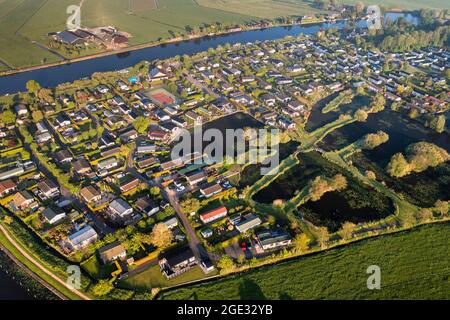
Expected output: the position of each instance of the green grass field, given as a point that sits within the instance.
(23, 21)
(265, 9)
(414, 265)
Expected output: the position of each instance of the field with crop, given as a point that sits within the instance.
(24, 21)
(414, 265)
(276, 8)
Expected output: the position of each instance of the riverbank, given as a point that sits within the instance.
(20, 253)
(156, 44)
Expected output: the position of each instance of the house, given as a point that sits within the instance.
(22, 200)
(48, 188)
(43, 137)
(148, 148)
(128, 136)
(177, 261)
(120, 207)
(267, 99)
(286, 123)
(82, 238)
(90, 194)
(273, 239)
(107, 164)
(248, 222)
(157, 74)
(111, 252)
(195, 177)
(81, 166)
(128, 182)
(213, 215)
(63, 156)
(146, 162)
(11, 172)
(53, 216)
(147, 206)
(7, 187)
(171, 222)
(193, 116)
(210, 189)
(62, 120)
(21, 110)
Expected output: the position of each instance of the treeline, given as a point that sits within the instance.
(419, 157)
(373, 140)
(320, 185)
(416, 39)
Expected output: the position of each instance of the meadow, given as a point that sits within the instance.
(414, 265)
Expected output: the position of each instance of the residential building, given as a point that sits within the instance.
(273, 239)
(82, 238)
(120, 207)
(111, 252)
(213, 215)
(177, 261)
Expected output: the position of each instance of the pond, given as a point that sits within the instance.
(357, 203)
(402, 132)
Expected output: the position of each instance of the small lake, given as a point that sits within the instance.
(402, 132)
(357, 203)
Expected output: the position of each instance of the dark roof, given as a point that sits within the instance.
(179, 255)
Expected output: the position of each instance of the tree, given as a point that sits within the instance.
(346, 231)
(437, 123)
(441, 207)
(407, 219)
(371, 175)
(398, 166)
(225, 264)
(322, 236)
(190, 205)
(8, 117)
(102, 288)
(141, 124)
(8, 220)
(155, 191)
(425, 215)
(301, 242)
(373, 140)
(37, 115)
(33, 86)
(361, 115)
(161, 236)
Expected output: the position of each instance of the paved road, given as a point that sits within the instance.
(42, 268)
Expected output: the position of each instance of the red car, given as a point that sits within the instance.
(243, 246)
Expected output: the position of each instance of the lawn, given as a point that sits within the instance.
(414, 265)
(153, 278)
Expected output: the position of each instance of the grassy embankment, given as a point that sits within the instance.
(414, 265)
